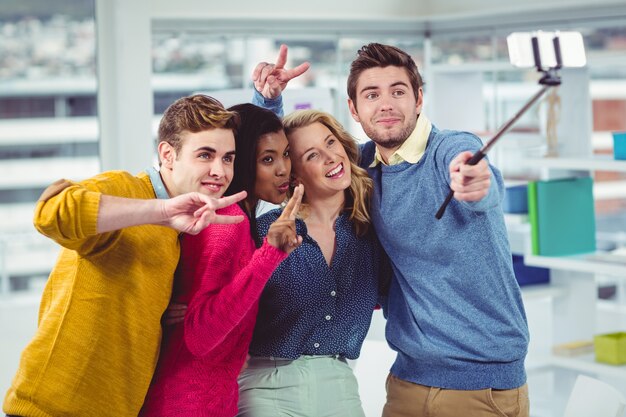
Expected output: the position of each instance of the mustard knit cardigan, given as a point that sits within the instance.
(99, 329)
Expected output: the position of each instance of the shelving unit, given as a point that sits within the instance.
(601, 191)
(593, 163)
(533, 292)
(584, 363)
(566, 309)
(594, 263)
(574, 315)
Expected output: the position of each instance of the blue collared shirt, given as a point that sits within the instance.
(157, 183)
(310, 308)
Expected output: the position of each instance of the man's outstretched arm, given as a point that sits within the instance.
(188, 213)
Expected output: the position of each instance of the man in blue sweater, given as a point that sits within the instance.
(455, 315)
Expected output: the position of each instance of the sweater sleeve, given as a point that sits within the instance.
(215, 310)
(67, 213)
(449, 148)
(275, 105)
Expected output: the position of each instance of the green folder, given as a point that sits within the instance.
(532, 217)
(564, 218)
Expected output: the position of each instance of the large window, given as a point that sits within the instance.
(48, 125)
(48, 102)
(221, 65)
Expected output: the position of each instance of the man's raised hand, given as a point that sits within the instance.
(469, 182)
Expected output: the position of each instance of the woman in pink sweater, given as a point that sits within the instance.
(221, 275)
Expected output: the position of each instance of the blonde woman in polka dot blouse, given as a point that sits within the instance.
(317, 306)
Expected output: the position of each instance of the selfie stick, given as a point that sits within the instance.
(549, 80)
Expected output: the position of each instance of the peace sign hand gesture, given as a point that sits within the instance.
(271, 79)
(282, 233)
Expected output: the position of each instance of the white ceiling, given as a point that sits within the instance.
(360, 9)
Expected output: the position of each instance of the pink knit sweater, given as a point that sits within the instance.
(220, 277)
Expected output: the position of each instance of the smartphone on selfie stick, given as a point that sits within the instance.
(546, 51)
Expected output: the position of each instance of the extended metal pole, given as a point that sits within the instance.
(483, 151)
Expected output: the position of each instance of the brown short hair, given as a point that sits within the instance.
(375, 55)
(194, 114)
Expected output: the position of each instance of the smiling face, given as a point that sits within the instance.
(319, 161)
(273, 167)
(204, 163)
(385, 105)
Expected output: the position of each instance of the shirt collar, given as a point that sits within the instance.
(413, 147)
(157, 183)
(301, 229)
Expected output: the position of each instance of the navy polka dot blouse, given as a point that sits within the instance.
(309, 308)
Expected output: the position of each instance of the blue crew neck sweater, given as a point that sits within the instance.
(455, 312)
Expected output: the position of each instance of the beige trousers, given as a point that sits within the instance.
(406, 399)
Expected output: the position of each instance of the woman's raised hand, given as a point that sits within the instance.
(282, 233)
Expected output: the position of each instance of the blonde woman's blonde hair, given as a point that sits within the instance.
(360, 190)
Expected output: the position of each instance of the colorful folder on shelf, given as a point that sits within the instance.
(562, 217)
(532, 217)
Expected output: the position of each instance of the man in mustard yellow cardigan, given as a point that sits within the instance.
(99, 329)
